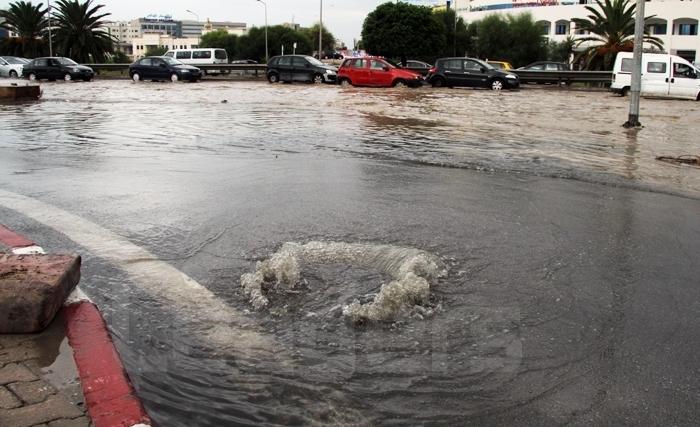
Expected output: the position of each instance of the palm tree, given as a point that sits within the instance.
(29, 23)
(79, 33)
(611, 28)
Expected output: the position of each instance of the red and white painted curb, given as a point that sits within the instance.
(109, 395)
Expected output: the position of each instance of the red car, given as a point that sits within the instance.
(372, 71)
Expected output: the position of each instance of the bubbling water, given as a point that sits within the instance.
(412, 271)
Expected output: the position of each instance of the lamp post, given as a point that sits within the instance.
(636, 86)
(267, 57)
(50, 38)
(195, 15)
(320, 32)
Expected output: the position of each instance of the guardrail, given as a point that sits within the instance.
(225, 67)
(530, 76)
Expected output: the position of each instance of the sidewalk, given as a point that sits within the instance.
(39, 383)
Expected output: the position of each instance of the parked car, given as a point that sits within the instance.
(546, 66)
(372, 71)
(163, 68)
(201, 56)
(11, 66)
(299, 68)
(57, 68)
(662, 75)
(500, 65)
(418, 66)
(470, 72)
(243, 61)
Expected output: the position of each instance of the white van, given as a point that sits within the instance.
(663, 75)
(200, 56)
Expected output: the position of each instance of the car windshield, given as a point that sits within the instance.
(314, 61)
(66, 61)
(171, 61)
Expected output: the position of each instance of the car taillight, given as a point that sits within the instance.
(613, 77)
(432, 70)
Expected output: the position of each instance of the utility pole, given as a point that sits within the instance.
(636, 86)
(50, 38)
(454, 34)
(320, 32)
(267, 56)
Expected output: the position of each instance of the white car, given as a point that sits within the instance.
(11, 66)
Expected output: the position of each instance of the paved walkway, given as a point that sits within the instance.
(39, 383)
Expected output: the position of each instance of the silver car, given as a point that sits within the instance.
(11, 66)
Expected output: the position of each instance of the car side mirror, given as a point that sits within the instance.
(483, 70)
(385, 68)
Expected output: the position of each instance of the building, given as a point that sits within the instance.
(141, 45)
(675, 22)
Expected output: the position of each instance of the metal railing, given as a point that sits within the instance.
(225, 67)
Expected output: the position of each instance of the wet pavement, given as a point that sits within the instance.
(570, 293)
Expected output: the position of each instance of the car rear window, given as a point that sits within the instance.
(453, 64)
(201, 54)
(41, 62)
(285, 60)
(220, 54)
(184, 55)
(627, 65)
(298, 61)
(656, 67)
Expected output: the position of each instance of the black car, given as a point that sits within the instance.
(163, 68)
(55, 68)
(299, 68)
(470, 72)
(545, 66)
(418, 66)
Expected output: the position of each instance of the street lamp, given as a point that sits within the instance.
(195, 15)
(266, 51)
(50, 39)
(320, 32)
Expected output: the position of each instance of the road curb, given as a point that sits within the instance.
(109, 396)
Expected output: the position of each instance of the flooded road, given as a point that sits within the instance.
(562, 300)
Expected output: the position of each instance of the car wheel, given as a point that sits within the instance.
(136, 77)
(273, 78)
(32, 77)
(399, 83)
(438, 82)
(67, 77)
(625, 91)
(497, 84)
(318, 79)
(87, 79)
(13, 74)
(174, 78)
(345, 82)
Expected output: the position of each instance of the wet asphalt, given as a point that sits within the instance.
(570, 298)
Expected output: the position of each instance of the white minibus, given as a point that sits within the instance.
(200, 56)
(667, 76)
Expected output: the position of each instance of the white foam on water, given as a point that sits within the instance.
(412, 271)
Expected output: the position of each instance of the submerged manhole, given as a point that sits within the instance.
(411, 271)
(681, 160)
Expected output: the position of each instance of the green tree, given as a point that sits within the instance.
(328, 40)
(402, 30)
(80, 34)
(611, 28)
(223, 40)
(29, 22)
(252, 45)
(119, 57)
(516, 39)
(460, 45)
(156, 50)
(561, 51)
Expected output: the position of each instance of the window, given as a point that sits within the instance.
(201, 54)
(627, 65)
(184, 55)
(561, 29)
(285, 61)
(453, 64)
(551, 67)
(658, 29)
(147, 62)
(357, 63)
(656, 67)
(376, 65)
(472, 66)
(220, 54)
(536, 67)
(169, 54)
(41, 62)
(299, 62)
(687, 29)
(683, 71)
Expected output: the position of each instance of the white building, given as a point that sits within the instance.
(675, 23)
(141, 45)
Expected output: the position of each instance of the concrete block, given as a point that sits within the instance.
(32, 392)
(19, 90)
(8, 400)
(13, 373)
(53, 408)
(33, 289)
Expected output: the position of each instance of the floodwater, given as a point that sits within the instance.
(560, 256)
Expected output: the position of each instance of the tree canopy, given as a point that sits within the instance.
(79, 33)
(223, 40)
(513, 38)
(252, 45)
(29, 22)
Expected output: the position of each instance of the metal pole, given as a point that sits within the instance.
(454, 36)
(50, 37)
(636, 86)
(195, 14)
(320, 32)
(267, 56)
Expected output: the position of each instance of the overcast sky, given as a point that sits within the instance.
(342, 17)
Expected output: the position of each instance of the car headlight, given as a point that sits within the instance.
(330, 72)
(511, 76)
(184, 71)
(75, 69)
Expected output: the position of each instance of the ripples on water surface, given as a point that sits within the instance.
(528, 317)
(543, 132)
